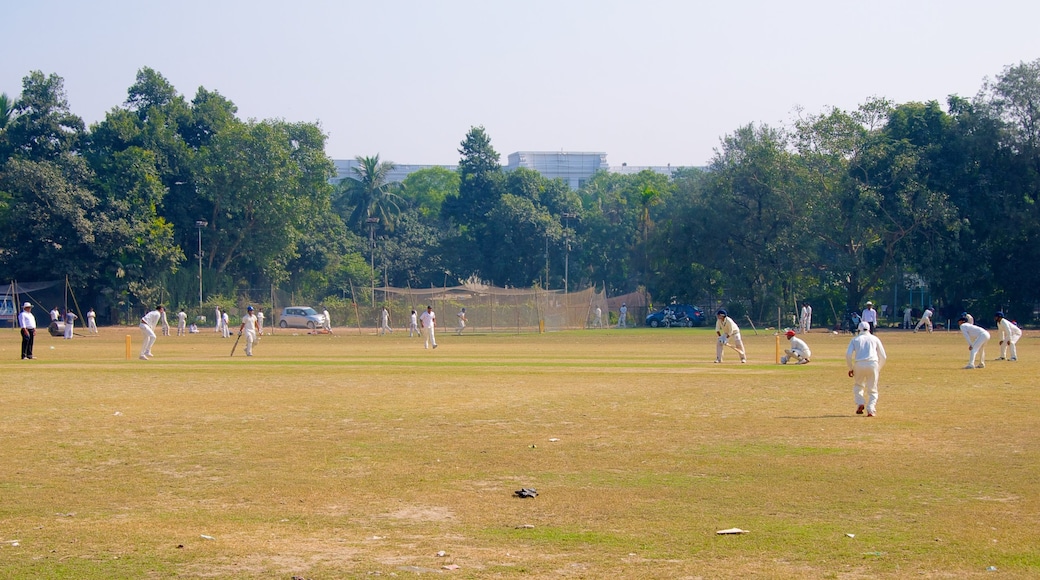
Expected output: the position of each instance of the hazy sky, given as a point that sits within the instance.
(649, 82)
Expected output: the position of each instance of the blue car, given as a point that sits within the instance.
(683, 315)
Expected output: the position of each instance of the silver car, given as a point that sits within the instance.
(301, 317)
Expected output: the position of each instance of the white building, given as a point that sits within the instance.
(573, 167)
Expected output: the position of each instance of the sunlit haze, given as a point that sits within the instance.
(652, 82)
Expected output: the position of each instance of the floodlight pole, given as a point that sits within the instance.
(567, 250)
(199, 224)
(372, 221)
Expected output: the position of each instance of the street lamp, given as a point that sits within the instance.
(199, 224)
(567, 249)
(372, 221)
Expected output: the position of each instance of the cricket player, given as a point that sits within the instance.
(977, 338)
(413, 325)
(384, 321)
(865, 357)
(805, 321)
(225, 327)
(251, 328)
(729, 335)
(92, 321)
(1009, 335)
(926, 319)
(148, 323)
(462, 322)
(798, 350)
(182, 322)
(428, 320)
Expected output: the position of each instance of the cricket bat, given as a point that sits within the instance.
(236, 344)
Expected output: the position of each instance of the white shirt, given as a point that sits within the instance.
(869, 315)
(181, 317)
(249, 320)
(799, 345)
(1008, 330)
(415, 319)
(972, 333)
(865, 348)
(927, 313)
(26, 319)
(152, 318)
(726, 327)
(429, 319)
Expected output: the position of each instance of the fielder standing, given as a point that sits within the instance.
(384, 321)
(182, 322)
(428, 320)
(865, 357)
(977, 338)
(92, 321)
(805, 321)
(225, 322)
(729, 334)
(413, 324)
(1009, 335)
(462, 322)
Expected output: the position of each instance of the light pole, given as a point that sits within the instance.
(372, 221)
(199, 224)
(567, 248)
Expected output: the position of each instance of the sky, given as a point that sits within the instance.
(648, 82)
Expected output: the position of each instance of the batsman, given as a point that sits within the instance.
(251, 328)
(729, 335)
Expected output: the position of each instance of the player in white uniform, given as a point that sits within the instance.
(182, 322)
(413, 325)
(384, 322)
(428, 321)
(865, 357)
(251, 329)
(92, 321)
(805, 322)
(926, 319)
(977, 338)
(798, 350)
(1009, 335)
(462, 322)
(148, 323)
(224, 325)
(729, 334)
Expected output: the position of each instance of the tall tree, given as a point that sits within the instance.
(368, 194)
(42, 127)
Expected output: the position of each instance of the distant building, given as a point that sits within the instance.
(345, 168)
(573, 167)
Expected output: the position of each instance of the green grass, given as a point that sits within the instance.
(353, 455)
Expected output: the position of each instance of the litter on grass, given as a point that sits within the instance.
(731, 531)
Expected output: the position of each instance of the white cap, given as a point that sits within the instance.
(864, 327)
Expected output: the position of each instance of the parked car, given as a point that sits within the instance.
(301, 317)
(676, 315)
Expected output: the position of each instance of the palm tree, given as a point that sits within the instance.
(6, 110)
(368, 194)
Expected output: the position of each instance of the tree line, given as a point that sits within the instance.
(836, 207)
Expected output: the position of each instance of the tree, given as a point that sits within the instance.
(368, 194)
(41, 127)
(427, 188)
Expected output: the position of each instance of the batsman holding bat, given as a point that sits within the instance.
(729, 335)
(251, 328)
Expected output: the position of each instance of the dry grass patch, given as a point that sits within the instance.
(350, 455)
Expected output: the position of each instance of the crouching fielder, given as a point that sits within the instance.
(729, 335)
(865, 357)
(799, 351)
(977, 338)
(1009, 335)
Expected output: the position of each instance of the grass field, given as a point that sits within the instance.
(350, 455)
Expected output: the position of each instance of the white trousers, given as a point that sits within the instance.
(733, 340)
(865, 378)
(69, 326)
(978, 347)
(924, 321)
(429, 337)
(1010, 345)
(250, 341)
(149, 339)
